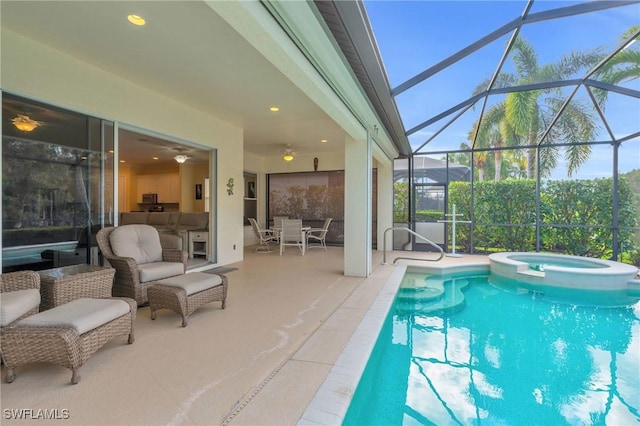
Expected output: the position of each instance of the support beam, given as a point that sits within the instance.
(357, 207)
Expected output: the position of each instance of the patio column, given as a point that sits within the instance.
(385, 201)
(357, 207)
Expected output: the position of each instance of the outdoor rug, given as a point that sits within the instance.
(220, 270)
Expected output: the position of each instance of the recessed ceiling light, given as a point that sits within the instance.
(155, 158)
(274, 109)
(324, 141)
(122, 161)
(136, 20)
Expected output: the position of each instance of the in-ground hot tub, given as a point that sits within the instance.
(564, 271)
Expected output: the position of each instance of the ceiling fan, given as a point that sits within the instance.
(288, 153)
(180, 157)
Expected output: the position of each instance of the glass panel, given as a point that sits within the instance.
(110, 183)
(435, 94)
(579, 121)
(566, 48)
(52, 191)
(454, 137)
(401, 203)
(459, 199)
(621, 113)
(312, 197)
(629, 202)
(430, 202)
(576, 209)
(503, 213)
(397, 24)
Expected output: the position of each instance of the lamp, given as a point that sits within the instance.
(181, 158)
(288, 155)
(25, 124)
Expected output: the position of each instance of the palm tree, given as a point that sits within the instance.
(516, 164)
(623, 66)
(495, 132)
(527, 114)
(479, 160)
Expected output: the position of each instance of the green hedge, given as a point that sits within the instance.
(429, 215)
(505, 216)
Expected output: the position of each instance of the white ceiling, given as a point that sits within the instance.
(186, 52)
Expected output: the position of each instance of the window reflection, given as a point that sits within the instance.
(53, 186)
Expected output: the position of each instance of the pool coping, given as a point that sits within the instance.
(330, 404)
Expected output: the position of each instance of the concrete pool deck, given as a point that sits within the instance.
(260, 361)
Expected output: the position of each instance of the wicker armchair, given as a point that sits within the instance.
(135, 253)
(24, 299)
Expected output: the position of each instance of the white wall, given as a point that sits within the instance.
(36, 71)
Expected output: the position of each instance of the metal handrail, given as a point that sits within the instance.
(400, 228)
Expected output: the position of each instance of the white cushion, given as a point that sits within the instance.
(194, 282)
(159, 270)
(14, 304)
(83, 315)
(141, 242)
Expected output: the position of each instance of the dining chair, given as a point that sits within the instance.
(264, 236)
(316, 237)
(292, 235)
(277, 221)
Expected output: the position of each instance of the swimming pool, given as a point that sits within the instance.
(498, 354)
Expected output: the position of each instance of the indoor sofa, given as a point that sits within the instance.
(172, 226)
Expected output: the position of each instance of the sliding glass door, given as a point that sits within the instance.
(57, 184)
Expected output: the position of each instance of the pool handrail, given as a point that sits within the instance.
(400, 228)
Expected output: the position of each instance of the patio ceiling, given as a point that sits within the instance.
(188, 53)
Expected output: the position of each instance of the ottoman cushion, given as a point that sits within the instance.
(81, 314)
(193, 282)
(15, 304)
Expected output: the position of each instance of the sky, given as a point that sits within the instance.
(414, 35)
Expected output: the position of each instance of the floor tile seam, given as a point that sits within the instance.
(237, 408)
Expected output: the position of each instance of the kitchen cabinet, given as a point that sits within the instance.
(168, 188)
(166, 185)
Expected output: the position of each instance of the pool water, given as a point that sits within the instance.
(480, 353)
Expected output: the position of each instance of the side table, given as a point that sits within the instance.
(198, 244)
(62, 285)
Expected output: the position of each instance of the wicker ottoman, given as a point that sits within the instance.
(186, 293)
(67, 335)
